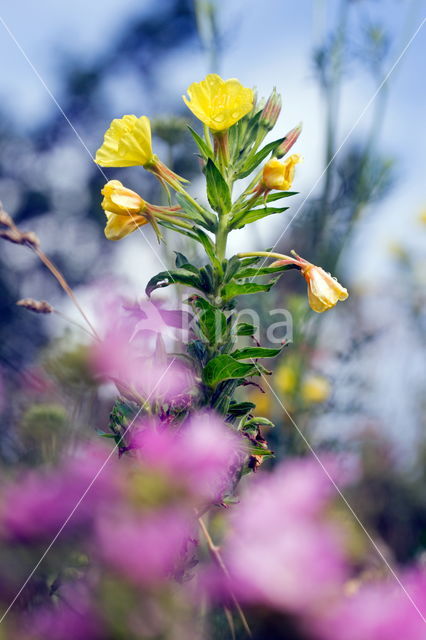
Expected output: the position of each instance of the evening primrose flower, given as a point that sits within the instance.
(126, 211)
(219, 103)
(127, 143)
(279, 175)
(324, 291)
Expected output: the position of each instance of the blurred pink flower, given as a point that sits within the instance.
(282, 552)
(203, 455)
(379, 611)
(39, 503)
(146, 548)
(132, 354)
(71, 618)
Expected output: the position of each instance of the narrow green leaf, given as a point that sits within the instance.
(258, 157)
(205, 218)
(245, 329)
(218, 192)
(201, 144)
(239, 409)
(234, 289)
(252, 272)
(180, 259)
(257, 420)
(254, 352)
(255, 214)
(213, 324)
(280, 195)
(224, 367)
(208, 245)
(177, 276)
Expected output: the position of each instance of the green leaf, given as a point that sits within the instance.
(177, 276)
(218, 192)
(259, 451)
(213, 324)
(234, 289)
(224, 367)
(280, 194)
(252, 272)
(204, 148)
(257, 420)
(245, 329)
(208, 245)
(258, 157)
(254, 352)
(255, 214)
(180, 259)
(239, 409)
(206, 219)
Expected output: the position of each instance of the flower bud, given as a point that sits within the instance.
(279, 175)
(288, 141)
(271, 111)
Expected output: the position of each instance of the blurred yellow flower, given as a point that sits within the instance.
(324, 291)
(422, 217)
(285, 379)
(280, 175)
(219, 103)
(262, 402)
(315, 388)
(127, 143)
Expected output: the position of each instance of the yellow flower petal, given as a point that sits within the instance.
(280, 175)
(315, 389)
(119, 226)
(126, 143)
(324, 291)
(219, 103)
(120, 200)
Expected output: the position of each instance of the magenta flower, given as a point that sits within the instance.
(40, 503)
(145, 548)
(379, 611)
(282, 552)
(202, 456)
(132, 355)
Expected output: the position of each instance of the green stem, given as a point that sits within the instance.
(176, 221)
(264, 254)
(222, 236)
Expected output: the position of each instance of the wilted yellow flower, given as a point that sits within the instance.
(123, 208)
(279, 175)
(120, 200)
(219, 103)
(127, 143)
(323, 290)
(315, 388)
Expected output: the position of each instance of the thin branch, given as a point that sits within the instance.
(214, 550)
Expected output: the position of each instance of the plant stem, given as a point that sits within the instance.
(214, 550)
(222, 236)
(264, 254)
(64, 284)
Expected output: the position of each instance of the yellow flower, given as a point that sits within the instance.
(285, 379)
(315, 389)
(323, 290)
(127, 143)
(219, 103)
(120, 200)
(262, 402)
(279, 175)
(123, 208)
